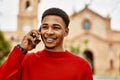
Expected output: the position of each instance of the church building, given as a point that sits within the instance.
(91, 34)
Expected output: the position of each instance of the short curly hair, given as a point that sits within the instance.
(57, 12)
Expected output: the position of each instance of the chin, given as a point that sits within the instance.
(49, 47)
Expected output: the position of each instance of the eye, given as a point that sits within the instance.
(56, 27)
(44, 27)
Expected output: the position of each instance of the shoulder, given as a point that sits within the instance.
(81, 63)
(30, 57)
(80, 60)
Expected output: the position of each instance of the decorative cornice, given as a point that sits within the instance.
(97, 37)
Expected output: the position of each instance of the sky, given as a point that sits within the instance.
(9, 10)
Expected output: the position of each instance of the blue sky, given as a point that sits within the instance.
(9, 10)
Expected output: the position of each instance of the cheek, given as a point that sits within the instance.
(61, 35)
(42, 33)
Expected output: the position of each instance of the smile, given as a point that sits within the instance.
(50, 39)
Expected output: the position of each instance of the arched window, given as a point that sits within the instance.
(86, 25)
(28, 6)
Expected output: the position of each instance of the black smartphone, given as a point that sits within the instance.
(36, 39)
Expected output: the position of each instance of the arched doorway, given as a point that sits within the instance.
(89, 56)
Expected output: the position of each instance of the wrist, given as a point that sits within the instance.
(22, 49)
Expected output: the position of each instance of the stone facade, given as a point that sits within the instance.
(92, 34)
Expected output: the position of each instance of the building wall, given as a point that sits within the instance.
(103, 43)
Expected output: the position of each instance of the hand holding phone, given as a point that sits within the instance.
(30, 40)
(36, 39)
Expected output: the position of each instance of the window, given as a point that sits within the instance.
(26, 28)
(111, 65)
(86, 25)
(28, 6)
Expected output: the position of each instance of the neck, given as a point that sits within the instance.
(54, 54)
(55, 49)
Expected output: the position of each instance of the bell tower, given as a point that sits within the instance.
(27, 16)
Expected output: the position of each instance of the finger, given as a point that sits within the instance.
(30, 39)
(37, 40)
(35, 33)
(34, 40)
(26, 42)
(31, 42)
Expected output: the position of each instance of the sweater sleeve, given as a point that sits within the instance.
(11, 68)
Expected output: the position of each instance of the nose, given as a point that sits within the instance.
(50, 31)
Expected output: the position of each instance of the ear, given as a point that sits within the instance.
(66, 31)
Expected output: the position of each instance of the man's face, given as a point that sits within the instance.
(53, 31)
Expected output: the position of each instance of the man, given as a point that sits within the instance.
(53, 62)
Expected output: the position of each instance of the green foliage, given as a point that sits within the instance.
(4, 46)
(75, 50)
(1, 36)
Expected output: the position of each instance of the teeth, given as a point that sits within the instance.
(49, 39)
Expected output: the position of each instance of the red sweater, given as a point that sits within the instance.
(45, 65)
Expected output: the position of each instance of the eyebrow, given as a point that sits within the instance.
(44, 24)
(52, 24)
(57, 24)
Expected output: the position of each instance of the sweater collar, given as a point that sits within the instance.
(54, 54)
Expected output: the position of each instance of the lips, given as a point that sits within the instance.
(50, 39)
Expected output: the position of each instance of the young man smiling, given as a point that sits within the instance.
(51, 63)
(53, 31)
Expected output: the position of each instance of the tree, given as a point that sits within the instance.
(75, 50)
(4, 47)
